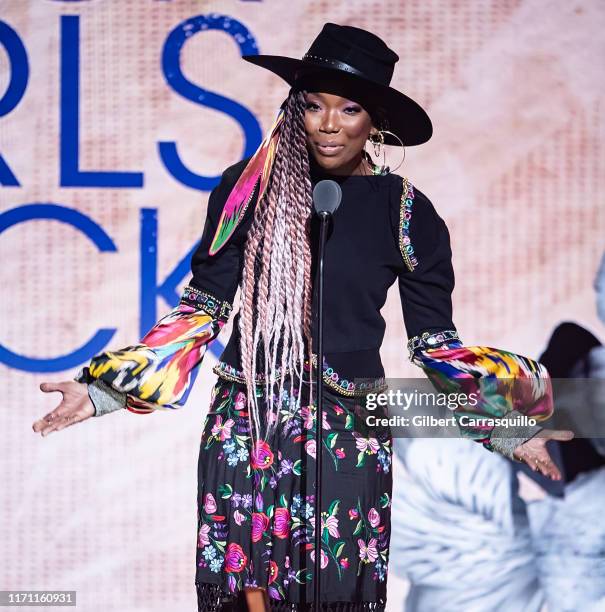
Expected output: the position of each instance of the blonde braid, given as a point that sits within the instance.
(276, 279)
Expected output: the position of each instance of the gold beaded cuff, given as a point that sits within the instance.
(203, 300)
(429, 340)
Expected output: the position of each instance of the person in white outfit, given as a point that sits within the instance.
(472, 532)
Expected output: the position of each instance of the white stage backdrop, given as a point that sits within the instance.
(116, 117)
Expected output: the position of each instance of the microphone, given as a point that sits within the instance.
(327, 195)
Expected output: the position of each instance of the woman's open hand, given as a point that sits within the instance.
(534, 453)
(75, 407)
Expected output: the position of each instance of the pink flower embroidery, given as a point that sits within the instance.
(222, 431)
(344, 562)
(366, 444)
(311, 448)
(235, 559)
(240, 401)
(239, 517)
(262, 455)
(368, 552)
(309, 418)
(260, 522)
(281, 522)
(273, 571)
(332, 524)
(340, 453)
(374, 517)
(209, 503)
(324, 558)
(203, 539)
(353, 513)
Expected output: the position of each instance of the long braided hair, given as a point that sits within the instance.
(276, 286)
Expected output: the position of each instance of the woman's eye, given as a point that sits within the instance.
(350, 110)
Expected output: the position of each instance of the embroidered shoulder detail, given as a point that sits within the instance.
(428, 340)
(330, 377)
(202, 300)
(405, 216)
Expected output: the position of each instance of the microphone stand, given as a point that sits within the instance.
(325, 218)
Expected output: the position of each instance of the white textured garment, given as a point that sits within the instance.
(467, 542)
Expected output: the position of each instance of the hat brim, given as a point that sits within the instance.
(406, 118)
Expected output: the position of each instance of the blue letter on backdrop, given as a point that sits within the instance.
(19, 74)
(71, 175)
(175, 78)
(102, 241)
(149, 276)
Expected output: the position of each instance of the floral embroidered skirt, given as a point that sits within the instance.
(256, 519)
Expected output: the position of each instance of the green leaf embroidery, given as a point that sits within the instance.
(220, 545)
(384, 500)
(333, 509)
(338, 548)
(241, 440)
(225, 491)
(300, 576)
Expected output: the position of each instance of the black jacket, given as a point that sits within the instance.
(364, 257)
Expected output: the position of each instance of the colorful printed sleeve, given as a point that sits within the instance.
(505, 385)
(159, 371)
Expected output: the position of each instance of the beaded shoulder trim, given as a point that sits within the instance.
(405, 216)
(202, 300)
(330, 377)
(428, 340)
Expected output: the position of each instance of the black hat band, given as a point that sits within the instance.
(332, 62)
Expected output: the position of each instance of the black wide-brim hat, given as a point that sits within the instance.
(358, 65)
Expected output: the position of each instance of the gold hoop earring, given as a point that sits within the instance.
(379, 142)
(402, 146)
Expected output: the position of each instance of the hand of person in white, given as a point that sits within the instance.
(75, 407)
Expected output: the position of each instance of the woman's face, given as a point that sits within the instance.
(337, 129)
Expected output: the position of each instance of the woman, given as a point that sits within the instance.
(257, 458)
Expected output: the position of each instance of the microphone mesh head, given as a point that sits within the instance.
(327, 195)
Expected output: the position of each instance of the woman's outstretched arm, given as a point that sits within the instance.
(506, 384)
(158, 372)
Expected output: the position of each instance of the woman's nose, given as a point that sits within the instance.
(330, 122)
